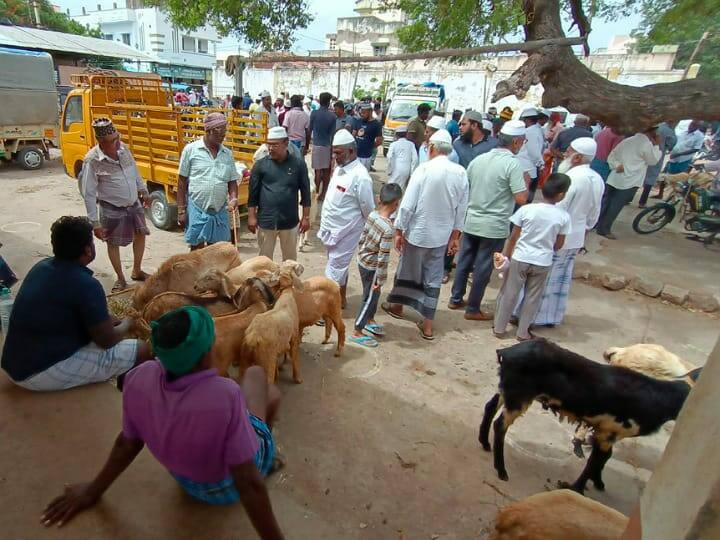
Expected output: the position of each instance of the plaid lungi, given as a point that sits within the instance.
(557, 289)
(224, 491)
(418, 279)
(321, 157)
(121, 224)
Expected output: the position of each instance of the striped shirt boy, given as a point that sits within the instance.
(375, 245)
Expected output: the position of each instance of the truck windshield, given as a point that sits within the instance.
(405, 110)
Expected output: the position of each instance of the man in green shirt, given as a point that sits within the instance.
(496, 185)
(416, 126)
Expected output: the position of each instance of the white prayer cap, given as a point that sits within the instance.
(585, 146)
(441, 136)
(401, 129)
(529, 113)
(275, 133)
(436, 122)
(306, 100)
(343, 137)
(487, 125)
(474, 116)
(514, 128)
(265, 94)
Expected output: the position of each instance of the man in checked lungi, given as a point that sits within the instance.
(110, 180)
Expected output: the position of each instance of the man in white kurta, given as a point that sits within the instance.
(530, 155)
(348, 202)
(582, 202)
(628, 163)
(402, 158)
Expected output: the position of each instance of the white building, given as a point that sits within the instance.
(370, 32)
(182, 56)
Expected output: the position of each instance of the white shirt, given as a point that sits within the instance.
(635, 154)
(540, 225)
(530, 155)
(401, 161)
(582, 202)
(348, 202)
(424, 154)
(687, 141)
(434, 204)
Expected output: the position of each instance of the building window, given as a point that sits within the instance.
(333, 44)
(126, 39)
(108, 37)
(379, 50)
(188, 44)
(202, 46)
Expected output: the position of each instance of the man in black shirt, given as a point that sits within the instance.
(581, 128)
(273, 201)
(61, 334)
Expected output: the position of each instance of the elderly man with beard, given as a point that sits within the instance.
(348, 202)
(434, 124)
(474, 138)
(206, 179)
(582, 201)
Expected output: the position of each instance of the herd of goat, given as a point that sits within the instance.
(261, 308)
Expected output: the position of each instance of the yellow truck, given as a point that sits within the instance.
(155, 130)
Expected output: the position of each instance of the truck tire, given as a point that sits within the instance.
(162, 214)
(30, 158)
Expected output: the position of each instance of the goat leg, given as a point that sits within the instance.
(500, 427)
(491, 409)
(328, 329)
(592, 471)
(295, 360)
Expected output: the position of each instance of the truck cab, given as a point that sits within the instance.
(405, 103)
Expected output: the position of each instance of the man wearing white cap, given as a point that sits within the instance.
(266, 107)
(474, 138)
(582, 201)
(348, 202)
(401, 158)
(530, 155)
(275, 182)
(427, 227)
(434, 124)
(496, 186)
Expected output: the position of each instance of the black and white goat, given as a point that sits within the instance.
(615, 401)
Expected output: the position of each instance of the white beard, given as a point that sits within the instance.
(565, 166)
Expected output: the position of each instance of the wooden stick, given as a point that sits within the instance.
(441, 53)
(234, 222)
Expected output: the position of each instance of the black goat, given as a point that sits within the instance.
(617, 402)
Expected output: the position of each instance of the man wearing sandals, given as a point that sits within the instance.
(110, 180)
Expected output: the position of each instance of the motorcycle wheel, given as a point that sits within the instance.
(653, 219)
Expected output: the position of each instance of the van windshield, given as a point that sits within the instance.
(405, 110)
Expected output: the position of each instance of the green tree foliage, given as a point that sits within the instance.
(683, 22)
(20, 13)
(264, 24)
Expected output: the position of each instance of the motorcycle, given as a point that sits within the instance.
(699, 210)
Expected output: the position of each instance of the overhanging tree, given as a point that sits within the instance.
(20, 12)
(566, 80)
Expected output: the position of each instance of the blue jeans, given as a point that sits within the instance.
(476, 256)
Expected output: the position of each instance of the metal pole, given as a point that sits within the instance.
(694, 54)
(339, 71)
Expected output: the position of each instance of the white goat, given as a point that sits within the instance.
(649, 359)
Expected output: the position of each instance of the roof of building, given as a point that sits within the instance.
(32, 38)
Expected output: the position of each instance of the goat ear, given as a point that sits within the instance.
(297, 284)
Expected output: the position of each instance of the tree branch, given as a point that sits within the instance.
(581, 21)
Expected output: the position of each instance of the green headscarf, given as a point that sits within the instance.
(200, 338)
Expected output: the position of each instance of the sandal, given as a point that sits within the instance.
(375, 329)
(419, 324)
(119, 286)
(365, 341)
(142, 276)
(386, 308)
(521, 339)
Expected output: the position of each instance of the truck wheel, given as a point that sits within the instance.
(162, 213)
(30, 158)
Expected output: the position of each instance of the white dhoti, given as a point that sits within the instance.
(340, 250)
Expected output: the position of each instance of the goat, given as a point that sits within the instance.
(253, 267)
(219, 283)
(318, 299)
(276, 332)
(179, 272)
(646, 358)
(558, 515)
(615, 401)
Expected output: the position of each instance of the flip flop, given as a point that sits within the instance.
(375, 329)
(386, 308)
(119, 286)
(419, 324)
(142, 276)
(365, 341)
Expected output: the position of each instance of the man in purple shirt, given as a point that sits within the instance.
(297, 124)
(212, 435)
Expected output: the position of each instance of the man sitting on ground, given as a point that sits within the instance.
(61, 334)
(212, 435)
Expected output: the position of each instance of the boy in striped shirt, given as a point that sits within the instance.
(374, 249)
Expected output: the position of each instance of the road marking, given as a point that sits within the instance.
(20, 226)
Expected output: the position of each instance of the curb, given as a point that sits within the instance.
(698, 300)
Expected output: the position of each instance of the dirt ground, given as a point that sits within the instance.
(380, 443)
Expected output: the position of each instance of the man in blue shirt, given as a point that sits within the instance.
(453, 126)
(368, 135)
(61, 334)
(322, 127)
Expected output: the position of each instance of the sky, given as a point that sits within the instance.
(325, 14)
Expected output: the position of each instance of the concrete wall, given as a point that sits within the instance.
(682, 498)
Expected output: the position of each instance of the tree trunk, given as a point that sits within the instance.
(568, 82)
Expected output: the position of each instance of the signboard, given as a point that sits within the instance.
(181, 72)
